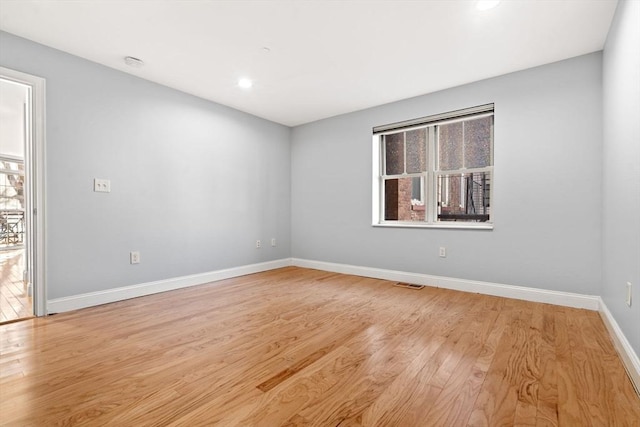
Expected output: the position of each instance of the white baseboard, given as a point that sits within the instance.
(74, 302)
(589, 302)
(629, 357)
(59, 305)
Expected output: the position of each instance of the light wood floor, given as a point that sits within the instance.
(14, 301)
(301, 347)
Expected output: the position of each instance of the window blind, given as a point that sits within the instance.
(471, 111)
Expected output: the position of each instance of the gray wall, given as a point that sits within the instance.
(547, 199)
(193, 183)
(621, 185)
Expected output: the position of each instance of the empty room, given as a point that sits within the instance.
(324, 213)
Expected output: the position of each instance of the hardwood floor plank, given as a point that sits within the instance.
(305, 347)
(620, 394)
(571, 409)
(498, 398)
(381, 368)
(192, 399)
(358, 351)
(455, 403)
(419, 385)
(297, 367)
(547, 407)
(14, 302)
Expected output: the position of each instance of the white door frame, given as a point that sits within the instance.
(35, 193)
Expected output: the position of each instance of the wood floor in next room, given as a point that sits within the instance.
(15, 303)
(304, 347)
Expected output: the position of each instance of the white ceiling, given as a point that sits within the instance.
(326, 57)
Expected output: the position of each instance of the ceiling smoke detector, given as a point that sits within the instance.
(133, 62)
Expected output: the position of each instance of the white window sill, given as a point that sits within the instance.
(458, 226)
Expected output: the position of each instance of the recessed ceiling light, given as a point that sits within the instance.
(245, 83)
(133, 62)
(486, 4)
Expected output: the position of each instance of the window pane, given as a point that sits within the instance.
(394, 153)
(416, 190)
(400, 203)
(464, 197)
(477, 142)
(450, 146)
(11, 185)
(416, 150)
(11, 204)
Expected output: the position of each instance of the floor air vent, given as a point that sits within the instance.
(409, 285)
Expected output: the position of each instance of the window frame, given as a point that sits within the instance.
(429, 187)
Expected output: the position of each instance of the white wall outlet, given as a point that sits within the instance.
(443, 252)
(134, 257)
(101, 185)
(628, 297)
(273, 241)
(258, 244)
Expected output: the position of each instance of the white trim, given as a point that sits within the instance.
(74, 302)
(430, 175)
(443, 224)
(629, 357)
(589, 302)
(376, 183)
(9, 158)
(38, 172)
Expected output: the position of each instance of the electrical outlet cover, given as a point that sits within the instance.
(101, 185)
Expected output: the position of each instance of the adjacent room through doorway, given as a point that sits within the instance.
(16, 301)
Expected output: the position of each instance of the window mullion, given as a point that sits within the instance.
(404, 153)
(383, 154)
(431, 196)
(383, 173)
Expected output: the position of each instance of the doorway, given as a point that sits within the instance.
(22, 293)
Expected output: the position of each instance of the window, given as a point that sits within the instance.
(435, 171)
(11, 202)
